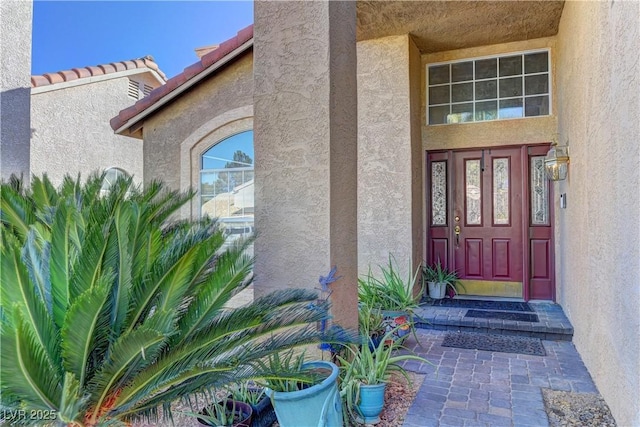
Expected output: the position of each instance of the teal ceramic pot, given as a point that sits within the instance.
(371, 402)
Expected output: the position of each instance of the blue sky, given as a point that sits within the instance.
(69, 34)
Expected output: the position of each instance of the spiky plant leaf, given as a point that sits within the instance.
(73, 401)
(131, 353)
(19, 298)
(82, 327)
(65, 246)
(27, 369)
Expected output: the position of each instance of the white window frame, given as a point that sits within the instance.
(497, 78)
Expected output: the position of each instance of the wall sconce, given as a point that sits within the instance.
(556, 162)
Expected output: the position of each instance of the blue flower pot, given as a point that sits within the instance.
(317, 406)
(371, 402)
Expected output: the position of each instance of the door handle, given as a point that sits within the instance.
(456, 230)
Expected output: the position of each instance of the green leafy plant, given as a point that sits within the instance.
(247, 392)
(439, 274)
(223, 413)
(111, 311)
(285, 372)
(371, 364)
(390, 291)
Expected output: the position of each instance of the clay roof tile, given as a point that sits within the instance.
(227, 47)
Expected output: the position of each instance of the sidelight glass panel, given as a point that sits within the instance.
(439, 193)
(473, 197)
(539, 192)
(500, 191)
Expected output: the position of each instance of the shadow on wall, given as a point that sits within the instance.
(15, 131)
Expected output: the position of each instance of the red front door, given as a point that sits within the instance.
(479, 208)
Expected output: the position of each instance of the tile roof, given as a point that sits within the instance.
(157, 95)
(98, 70)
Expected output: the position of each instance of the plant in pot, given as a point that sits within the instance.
(254, 395)
(111, 312)
(365, 371)
(226, 412)
(393, 295)
(439, 279)
(301, 390)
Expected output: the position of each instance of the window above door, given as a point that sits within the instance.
(501, 87)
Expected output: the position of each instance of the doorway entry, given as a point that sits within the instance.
(490, 218)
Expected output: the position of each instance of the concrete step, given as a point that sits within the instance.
(552, 323)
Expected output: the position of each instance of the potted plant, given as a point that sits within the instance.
(440, 278)
(365, 371)
(226, 413)
(130, 306)
(302, 390)
(254, 395)
(393, 295)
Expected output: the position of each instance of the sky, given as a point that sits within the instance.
(70, 34)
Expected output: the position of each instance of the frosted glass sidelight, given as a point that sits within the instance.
(539, 192)
(439, 193)
(501, 191)
(473, 199)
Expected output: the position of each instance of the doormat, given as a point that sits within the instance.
(520, 317)
(482, 305)
(494, 342)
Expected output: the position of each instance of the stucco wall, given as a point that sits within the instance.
(71, 132)
(389, 153)
(492, 133)
(306, 148)
(165, 131)
(599, 231)
(15, 87)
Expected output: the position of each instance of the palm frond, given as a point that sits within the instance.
(27, 370)
(19, 296)
(73, 402)
(65, 246)
(81, 325)
(130, 354)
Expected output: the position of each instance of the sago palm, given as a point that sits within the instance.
(109, 313)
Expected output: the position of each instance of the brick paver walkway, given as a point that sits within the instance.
(483, 388)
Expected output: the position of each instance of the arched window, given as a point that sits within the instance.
(111, 176)
(226, 183)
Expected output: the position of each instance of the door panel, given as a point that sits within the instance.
(540, 223)
(500, 200)
(488, 203)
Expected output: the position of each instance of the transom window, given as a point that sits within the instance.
(502, 87)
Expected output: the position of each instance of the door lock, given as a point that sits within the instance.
(456, 230)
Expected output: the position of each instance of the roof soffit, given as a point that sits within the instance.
(438, 26)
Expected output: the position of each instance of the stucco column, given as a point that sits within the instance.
(305, 145)
(15, 87)
(390, 155)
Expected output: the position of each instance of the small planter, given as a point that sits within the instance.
(371, 402)
(243, 414)
(263, 413)
(318, 405)
(437, 290)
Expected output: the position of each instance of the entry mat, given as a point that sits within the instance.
(482, 305)
(520, 317)
(494, 342)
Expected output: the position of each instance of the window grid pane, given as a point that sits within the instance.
(503, 87)
(501, 191)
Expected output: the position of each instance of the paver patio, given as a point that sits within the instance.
(483, 388)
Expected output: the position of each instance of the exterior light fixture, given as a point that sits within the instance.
(556, 162)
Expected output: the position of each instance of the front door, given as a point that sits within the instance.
(479, 221)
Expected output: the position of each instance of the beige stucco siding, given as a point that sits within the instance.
(389, 153)
(15, 72)
(492, 133)
(599, 231)
(71, 132)
(164, 132)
